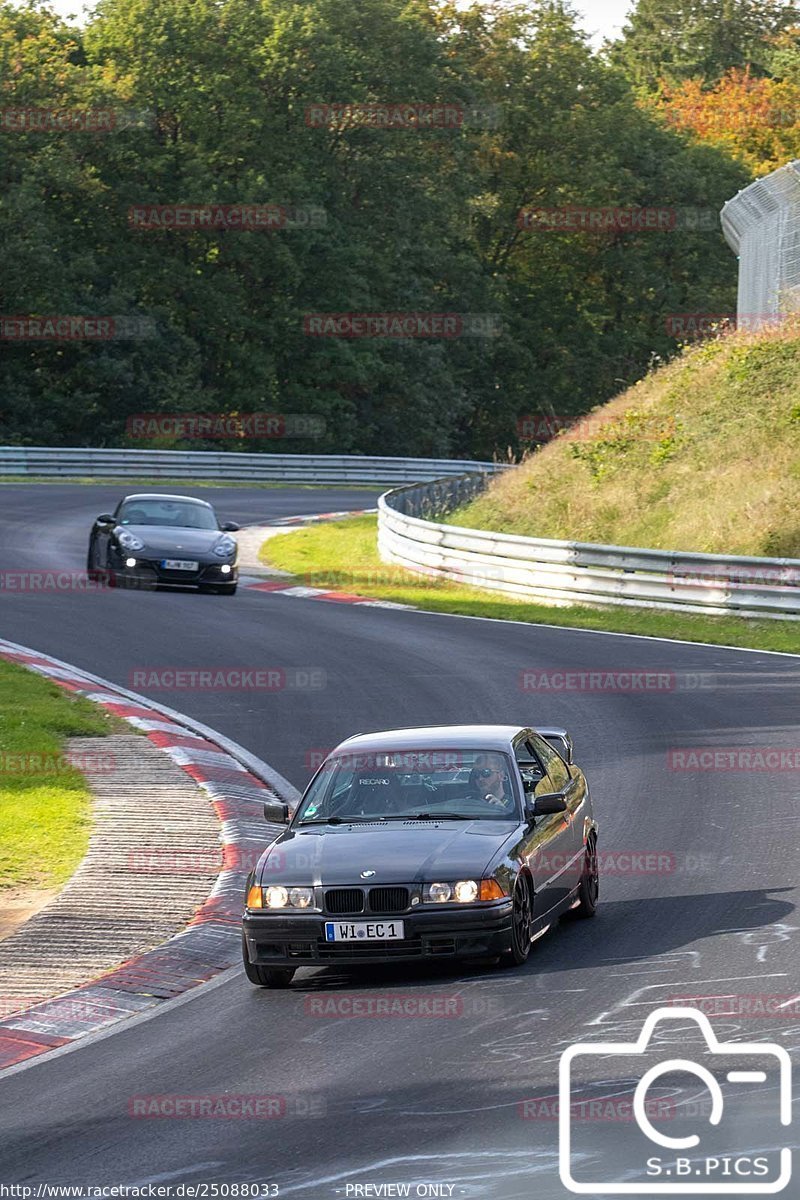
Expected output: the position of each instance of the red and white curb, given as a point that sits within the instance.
(311, 593)
(232, 779)
(313, 518)
(284, 588)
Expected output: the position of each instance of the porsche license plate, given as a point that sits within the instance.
(178, 564)
(363, 931)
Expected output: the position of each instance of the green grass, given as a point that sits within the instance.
(317, 554)
(45, 818)
(703, 454)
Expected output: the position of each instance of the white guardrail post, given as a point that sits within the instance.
(566, 572)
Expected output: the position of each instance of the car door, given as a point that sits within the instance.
(547, 846)
(567, 829)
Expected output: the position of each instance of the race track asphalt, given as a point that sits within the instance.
(372, 1100)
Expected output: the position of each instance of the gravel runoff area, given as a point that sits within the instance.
(155, 907)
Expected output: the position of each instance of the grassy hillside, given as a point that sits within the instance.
(702, 454)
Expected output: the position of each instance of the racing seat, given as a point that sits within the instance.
(377, 794)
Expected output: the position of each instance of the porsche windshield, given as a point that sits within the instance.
(412, 785)
(178, 514)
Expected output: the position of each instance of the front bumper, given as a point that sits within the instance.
(299, 940)
(148, 573)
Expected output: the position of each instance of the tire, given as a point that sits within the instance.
(521, 918)
(589, 889)
(266, 977)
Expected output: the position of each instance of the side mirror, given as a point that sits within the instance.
(105, 519)
(549, 802)
(275, 811)
(229, 527)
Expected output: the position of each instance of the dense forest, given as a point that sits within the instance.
(419, 264)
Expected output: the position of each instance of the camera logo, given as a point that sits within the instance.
(726, 1087)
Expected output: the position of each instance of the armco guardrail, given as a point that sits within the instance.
(564, 572)
(65, 462)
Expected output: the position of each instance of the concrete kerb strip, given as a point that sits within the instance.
(271, 579)
(237, 784)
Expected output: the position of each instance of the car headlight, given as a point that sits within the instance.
(129, 541)
(276, 896)
(225, 547)
(464, 892)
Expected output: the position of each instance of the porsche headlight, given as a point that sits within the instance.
(129, 541)
(276, 896)
(225, 547)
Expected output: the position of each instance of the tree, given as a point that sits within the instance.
(757, 120)
(675, 40)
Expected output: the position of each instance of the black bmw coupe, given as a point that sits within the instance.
(415, 844)
(152, 540)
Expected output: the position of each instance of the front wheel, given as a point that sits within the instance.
(267, 977)
(589, 888)
(521, 917)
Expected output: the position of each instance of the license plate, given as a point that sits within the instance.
(178, 564)
(363, 931)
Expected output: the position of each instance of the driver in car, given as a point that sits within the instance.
(489, 780)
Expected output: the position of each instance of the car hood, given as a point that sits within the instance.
(397, 853)
(169, 542)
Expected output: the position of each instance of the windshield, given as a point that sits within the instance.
(412, 784)
(181, 514)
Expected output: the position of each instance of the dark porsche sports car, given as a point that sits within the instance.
(448, 841)
(151, 540)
